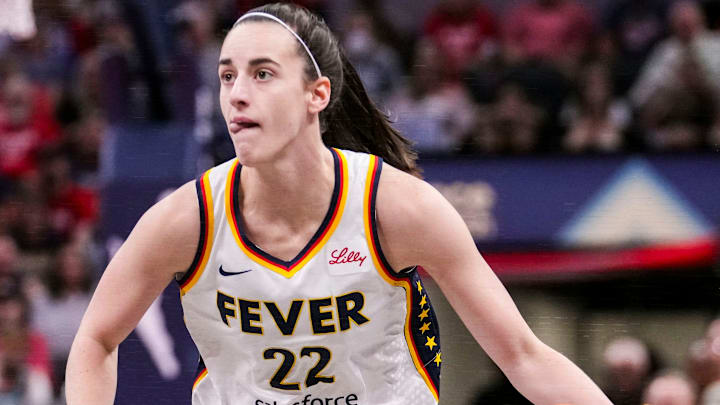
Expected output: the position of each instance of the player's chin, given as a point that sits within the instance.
(249, 155)
(245, 156)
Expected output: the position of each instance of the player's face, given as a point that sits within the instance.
(263, 93)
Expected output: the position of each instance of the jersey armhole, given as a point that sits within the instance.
(205, 210)
(372, 185)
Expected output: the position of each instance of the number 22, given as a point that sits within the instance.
(313, 376)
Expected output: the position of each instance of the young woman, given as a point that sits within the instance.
(298, 278)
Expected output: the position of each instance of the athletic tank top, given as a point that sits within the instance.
(334, 325)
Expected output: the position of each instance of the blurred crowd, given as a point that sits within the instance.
(634, 374)
(551, 76)
(528, 77)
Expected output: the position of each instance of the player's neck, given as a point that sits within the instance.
(297, 185)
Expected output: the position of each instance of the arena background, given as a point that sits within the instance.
(594, 240)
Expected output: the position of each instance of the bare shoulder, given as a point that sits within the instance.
(179, 210)
(403, 199)
(415, 222)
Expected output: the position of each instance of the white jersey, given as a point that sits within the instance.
(333, 326)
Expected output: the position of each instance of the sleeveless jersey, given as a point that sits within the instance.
(333, 326)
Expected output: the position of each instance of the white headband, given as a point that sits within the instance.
(287, 27)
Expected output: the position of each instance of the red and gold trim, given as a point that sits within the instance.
(385, 270)
(205, 202)
(328, 226)
(199, 378)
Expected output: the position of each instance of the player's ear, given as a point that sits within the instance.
(319, 94)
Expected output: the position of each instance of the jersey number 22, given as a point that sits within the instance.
(288, 361)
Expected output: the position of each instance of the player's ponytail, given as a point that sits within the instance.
(351, 120)
(354, 122)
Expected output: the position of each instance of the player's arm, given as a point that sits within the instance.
(417, 226)
(162, 244)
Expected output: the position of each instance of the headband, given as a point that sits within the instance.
(287, 27)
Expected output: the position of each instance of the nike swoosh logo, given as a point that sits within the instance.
(231, 273)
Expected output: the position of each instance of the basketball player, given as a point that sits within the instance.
(298, 277)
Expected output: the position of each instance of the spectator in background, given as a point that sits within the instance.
(59, 308)
(377, 64)
(31, 226)
(194, 67)
(82, 142)
(670, 388)
(47, 57)
(25, 373)
(628, 365)
(110, 76)
(85, 90)
(677, 91)
(97, 35)
(543, 44)
(7, 190)
(508, 125)
(704, 362)
(72, 208)
(711, 395)
(8, 258)
(434, 113)
(699, 365)
(8, 210)
(555, 32)
(596, 121)
(631, 29)
(26, 124)
(49, 206)
(464, 32)
(82, 28)
(703, 367)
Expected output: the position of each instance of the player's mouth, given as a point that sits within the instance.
(241, 124)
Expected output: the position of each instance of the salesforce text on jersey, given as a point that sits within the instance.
(350, 399)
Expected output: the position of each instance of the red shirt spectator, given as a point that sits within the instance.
(19, 343)
(26, 125)
(71, 206)
(463, 31)
(84, 37)
(38, 356)
(557, 31)
(23, 351)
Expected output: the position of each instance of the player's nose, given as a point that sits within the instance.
(240, 94)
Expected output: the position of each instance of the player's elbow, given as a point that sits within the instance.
(86, 342)
(521, 356)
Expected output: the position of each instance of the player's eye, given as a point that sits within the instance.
(227, 77)
(263, 75)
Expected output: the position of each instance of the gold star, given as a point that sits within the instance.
(423, 301)
(419, 286)
(424, 314)
(425, 328)
(430, 342)
(438, 359)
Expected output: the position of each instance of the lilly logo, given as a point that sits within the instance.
(346, 256)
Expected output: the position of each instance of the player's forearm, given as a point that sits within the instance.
(91, 376)
(546, 377)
